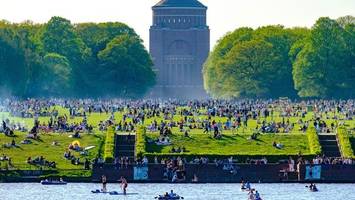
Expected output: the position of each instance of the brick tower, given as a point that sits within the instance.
(179, 45)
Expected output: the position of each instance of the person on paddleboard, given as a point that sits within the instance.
(124, 185)
(104, 183)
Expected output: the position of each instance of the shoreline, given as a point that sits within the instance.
(154, 173)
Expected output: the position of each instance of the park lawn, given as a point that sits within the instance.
(44, 147)
(95, 118)
(200, 143)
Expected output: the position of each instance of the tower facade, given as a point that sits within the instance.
(179, 45)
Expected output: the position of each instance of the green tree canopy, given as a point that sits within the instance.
(126, 67)
(55, 75)
(323, 66)
(253, 63)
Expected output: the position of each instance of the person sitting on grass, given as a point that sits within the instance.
(87, 164)
(254, 136)
(10, 132)
(13, 143)
(76, 134)
(187, 133)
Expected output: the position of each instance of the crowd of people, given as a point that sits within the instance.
(272, 116)
(167, 116)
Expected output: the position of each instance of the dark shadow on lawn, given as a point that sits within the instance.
(153, 148)
(38, 140)
(258, 140)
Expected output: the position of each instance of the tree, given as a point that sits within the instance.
(213, 77)
(249, 63)
(96, 37)
(55, 75)
(55, 59)
(320, 68)
(126, 66)
(12, 61)
(249, 67)
(60, 37)
(281, 80)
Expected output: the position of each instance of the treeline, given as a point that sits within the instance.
(61, 59)
(274, 61)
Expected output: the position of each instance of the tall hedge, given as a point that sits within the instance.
(344, 141)
(313, 141)
(140, 144)
(109, 145)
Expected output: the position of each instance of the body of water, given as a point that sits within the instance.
(82, 191)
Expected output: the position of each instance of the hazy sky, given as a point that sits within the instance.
(223, 15)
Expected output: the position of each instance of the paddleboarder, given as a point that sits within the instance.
(124, 185)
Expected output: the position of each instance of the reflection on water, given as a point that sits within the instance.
(81, 191)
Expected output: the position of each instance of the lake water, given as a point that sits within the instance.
(81, 191)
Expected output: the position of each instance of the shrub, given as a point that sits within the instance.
(109, 145)
(313, 140)
(140, 143)
(344, 143)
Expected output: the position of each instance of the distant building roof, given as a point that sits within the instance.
(179, 3)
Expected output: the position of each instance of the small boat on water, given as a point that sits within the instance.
(312, 188)
(168, 198)
(51, 182)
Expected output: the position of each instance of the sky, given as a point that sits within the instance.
(223, 15)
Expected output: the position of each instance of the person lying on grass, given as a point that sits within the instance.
(277, 145)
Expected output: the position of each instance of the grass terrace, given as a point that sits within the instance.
(44, 147)
(200, 143)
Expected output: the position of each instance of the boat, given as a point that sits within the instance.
(161, 197)
(48, 182)
(312, 188)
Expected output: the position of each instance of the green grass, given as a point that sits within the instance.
(140, 141)
(314, 145)
(109, 145)
(345, 144)
(44, 147)
(233, 143)
(200, 143)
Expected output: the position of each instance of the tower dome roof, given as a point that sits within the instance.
(179, 3)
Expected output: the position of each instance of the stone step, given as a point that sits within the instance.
(327, 137)
(125, 147)
(330, 148)
(121, 154)
(328, 142)
(332, 153)
(125, 142)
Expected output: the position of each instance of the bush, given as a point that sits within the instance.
(344, 143)
(109, 145)
(313, 140)
(140, 144)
